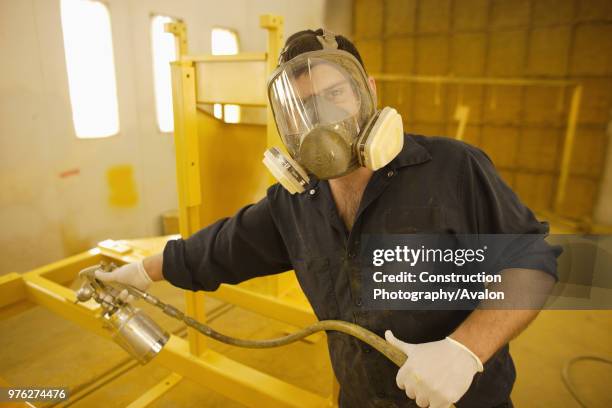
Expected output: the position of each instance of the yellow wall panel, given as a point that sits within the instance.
(589, 152)
(428, 103)
(232, 174)
(434, 16)
(501, 144)
(527, 39)
(548, 51)
(547, 12)
(367, 18)
(401, 19)
(539, 149)
(507, 53)
(592, 50)
(544, 105)
(509, 13)
(580, 197)
(470, 15)
(502, 104)
(399, 55)
(432, 55)
(468, 54)
(371, 52)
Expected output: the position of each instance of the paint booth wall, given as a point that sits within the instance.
(59, 195)
(521, 128)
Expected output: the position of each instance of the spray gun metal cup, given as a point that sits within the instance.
(131, 328)
(136, 333)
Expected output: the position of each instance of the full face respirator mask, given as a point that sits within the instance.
(326, 116)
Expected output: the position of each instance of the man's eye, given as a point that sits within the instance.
(335, 93)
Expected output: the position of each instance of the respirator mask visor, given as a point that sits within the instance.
(321, 102)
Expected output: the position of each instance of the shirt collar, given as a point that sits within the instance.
(412, 154)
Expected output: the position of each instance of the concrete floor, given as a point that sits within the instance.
(39, 348)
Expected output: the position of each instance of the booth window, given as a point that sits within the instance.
(164, 52)
(88, 47)
(225, 42)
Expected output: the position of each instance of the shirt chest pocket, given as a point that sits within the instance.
(410, 220)
(316, 280)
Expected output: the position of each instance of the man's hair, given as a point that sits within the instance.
(306, 40)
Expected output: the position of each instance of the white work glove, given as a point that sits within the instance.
(132, 274)
(436, 374)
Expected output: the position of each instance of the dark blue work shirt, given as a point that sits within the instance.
(435, 185)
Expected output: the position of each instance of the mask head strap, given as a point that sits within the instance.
(328, 40)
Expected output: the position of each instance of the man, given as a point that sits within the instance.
(353, 174)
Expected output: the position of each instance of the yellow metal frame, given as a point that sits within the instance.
(279, 296)
(572, 118)
(46, 286)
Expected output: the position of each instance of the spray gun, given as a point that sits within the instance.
(131, 328)
(142, 338)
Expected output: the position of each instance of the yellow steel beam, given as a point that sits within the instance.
(274, 25)
(65, 270)
(155, 392)
(229, 102)
(186, 146)
(243, 56)
(471, 80)
(13, 299)
(462, 114)
(294, 313)
(234, 380)
(188, 177)
(568, 148)
(179, 30)
(12, 289)
(62, 301)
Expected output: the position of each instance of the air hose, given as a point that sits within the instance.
(143, 338)
(565, 374)
(365, 335)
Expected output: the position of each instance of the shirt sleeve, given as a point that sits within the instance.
(495, 209)
(230, 250)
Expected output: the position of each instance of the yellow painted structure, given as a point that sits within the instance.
(47, 287)
(219, 167)
(462, 114)
(219, 170)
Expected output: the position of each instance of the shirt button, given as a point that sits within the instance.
(390, 174)
(358, 302)
(313, 193)
(351, 254)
